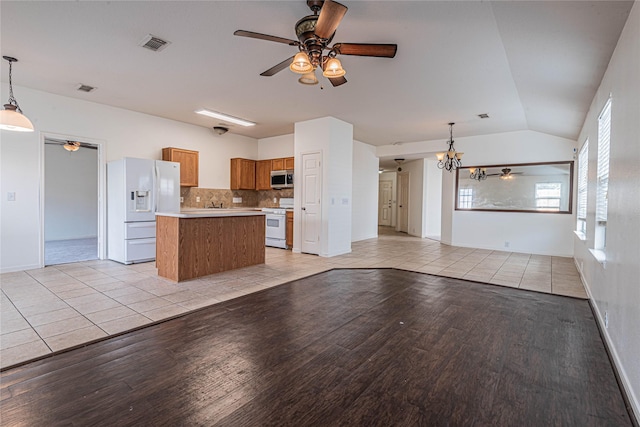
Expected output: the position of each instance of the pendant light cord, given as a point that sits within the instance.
(12, 99)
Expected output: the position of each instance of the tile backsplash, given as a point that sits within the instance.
(250, 198)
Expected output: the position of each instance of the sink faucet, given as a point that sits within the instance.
(213, 205)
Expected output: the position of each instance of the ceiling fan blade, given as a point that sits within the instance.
(330, 16)
(367, 49)
(277, 68)
(337, 81)
(267, 37)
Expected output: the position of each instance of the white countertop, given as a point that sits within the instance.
(212, 213)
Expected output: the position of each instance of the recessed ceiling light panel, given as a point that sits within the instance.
(225, 117)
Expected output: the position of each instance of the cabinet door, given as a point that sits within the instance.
(263, 175)
(189, 163)
(243, 174)
(277, 164)
(288, 163)
(289, 238)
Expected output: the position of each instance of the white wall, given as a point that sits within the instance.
(124, 133)
(334, 138)
(433, 200)
(71, 193)
(393, 177)
(364, 213)
(276, 147)
(615, 286)
(545, 234)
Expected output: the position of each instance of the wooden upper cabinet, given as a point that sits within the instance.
(288, 163)
(277, 164)
(282, 164)
(189, 163)
(243, 174)
(263, 175)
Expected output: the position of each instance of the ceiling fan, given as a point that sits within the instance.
(505, 174)
(315, 33)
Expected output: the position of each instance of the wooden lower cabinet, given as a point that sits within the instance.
(289, 229)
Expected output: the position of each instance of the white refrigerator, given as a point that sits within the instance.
(136, 190)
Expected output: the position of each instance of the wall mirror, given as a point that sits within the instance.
(527, 187)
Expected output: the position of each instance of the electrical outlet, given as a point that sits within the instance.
(11, 196)
(197, 199)
(237, 200)
(181, 199)
(506, 244)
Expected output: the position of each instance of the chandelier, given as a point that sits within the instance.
(479, 174)
(453, 158)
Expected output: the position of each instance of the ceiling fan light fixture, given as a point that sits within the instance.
(11, 118)
(301, 64)
(71, 146)
(308, 79)
(333, 68)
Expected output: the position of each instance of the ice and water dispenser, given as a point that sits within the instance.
(141, 200)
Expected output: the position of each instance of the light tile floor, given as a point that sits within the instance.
(53, 308)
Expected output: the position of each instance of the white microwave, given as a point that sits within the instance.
(281, 179)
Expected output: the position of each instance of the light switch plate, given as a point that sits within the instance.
(11, 196)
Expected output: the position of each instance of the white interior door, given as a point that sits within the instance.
(385, 193)
(403, 202)
(311, 219)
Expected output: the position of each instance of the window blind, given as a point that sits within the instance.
(583, 180)
(604, 134)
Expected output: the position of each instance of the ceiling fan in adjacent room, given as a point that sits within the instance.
(505, 174)
(315, 33)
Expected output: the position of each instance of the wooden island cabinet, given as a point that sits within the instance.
(208, 241)
(189, 163)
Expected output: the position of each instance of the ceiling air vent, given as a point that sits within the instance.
(483, 116)
(154, 43)
(85, 88)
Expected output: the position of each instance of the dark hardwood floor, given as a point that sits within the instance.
(346, 347)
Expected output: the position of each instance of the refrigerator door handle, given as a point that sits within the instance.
(156, 178)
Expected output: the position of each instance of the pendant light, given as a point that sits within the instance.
(11, 118)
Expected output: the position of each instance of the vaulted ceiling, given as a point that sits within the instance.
(527, 64)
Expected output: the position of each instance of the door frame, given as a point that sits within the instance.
(102, 185)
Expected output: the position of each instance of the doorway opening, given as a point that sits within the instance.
(71, 201)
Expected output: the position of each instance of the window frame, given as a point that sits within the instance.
(582, 189)
(602, 176)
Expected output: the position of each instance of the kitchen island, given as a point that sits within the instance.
(196, 243)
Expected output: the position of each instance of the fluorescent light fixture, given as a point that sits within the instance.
(225, 117)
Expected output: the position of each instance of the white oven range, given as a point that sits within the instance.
(276, 224)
